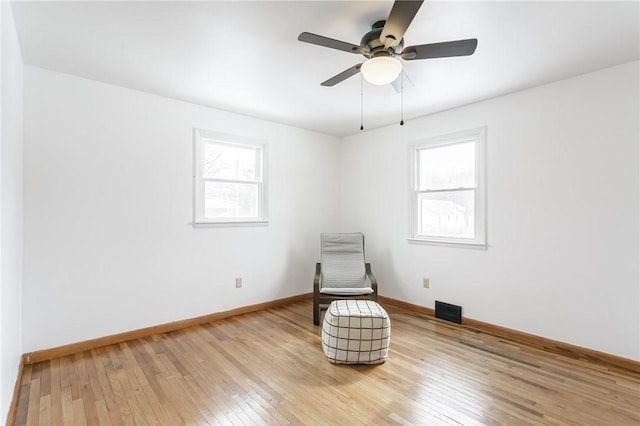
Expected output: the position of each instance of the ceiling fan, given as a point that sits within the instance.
(384, 43)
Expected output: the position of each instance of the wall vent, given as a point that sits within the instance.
(449, 312)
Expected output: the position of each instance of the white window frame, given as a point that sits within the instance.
(480, 220)
(206, 136)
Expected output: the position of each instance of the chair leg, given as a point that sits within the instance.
(316, 310)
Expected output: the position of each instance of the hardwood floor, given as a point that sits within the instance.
(268, 368)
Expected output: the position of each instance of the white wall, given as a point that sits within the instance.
(109, 245)
(10, 207)
(563, 216)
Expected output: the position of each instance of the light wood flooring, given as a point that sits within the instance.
(268, 368)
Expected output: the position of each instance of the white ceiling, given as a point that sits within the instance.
(243, 56)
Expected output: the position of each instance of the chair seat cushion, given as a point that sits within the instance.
(346, 291)
(356, 332)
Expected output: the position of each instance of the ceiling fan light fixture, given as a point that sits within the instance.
(381, 70)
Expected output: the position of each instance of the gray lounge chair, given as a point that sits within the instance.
(342, 272)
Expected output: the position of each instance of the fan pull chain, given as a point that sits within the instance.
(361, 102)
(402, 98)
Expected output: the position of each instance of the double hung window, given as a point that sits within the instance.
(229, 181)
(448, 189)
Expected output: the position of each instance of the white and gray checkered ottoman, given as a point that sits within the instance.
(356, 332)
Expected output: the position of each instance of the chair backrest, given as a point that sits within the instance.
(342, 258)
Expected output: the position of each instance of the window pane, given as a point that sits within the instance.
(232, 200)
(229, 162)
(447, 167)
(447, 214)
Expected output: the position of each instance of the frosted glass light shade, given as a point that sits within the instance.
(381, 70)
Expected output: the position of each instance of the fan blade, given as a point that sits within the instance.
(400, 17)
(440, 50)
(329, 42)
(403, 83)
(342, 76)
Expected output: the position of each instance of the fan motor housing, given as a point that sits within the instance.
(371, 41)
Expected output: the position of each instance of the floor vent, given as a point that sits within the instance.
(449, 312)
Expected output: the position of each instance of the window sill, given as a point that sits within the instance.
(449, 243)
(231, 223)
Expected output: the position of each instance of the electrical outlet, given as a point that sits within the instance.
(425, 282)
(238, 282)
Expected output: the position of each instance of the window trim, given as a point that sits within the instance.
(480, 202)
(199, 137)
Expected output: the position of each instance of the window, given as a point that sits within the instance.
(448, 189)
(229, 180)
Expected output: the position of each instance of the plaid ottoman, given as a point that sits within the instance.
(356, 332)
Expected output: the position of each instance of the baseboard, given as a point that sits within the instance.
(46, 354)
(13, 407)
(549, 345)
(408, 306)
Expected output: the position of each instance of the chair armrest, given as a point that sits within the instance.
(372, 278)
(316, 280)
